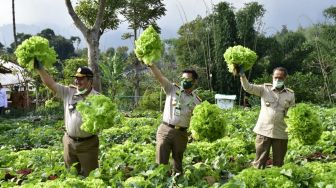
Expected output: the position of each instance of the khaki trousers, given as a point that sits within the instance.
(171, 140)
(84, 153)
(263, 145)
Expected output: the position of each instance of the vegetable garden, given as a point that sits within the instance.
(31, 155)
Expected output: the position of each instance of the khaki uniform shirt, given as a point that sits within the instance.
(274, 107)
(171, 114)
(72, 118)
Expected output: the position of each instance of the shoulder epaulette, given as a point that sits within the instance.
(175, 84)
(290, 90)
(72, 86)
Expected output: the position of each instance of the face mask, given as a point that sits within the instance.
(186, 84)
(278, 83)
(81, 91)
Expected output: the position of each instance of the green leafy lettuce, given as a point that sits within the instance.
(239, 56)
(208, 122)
(98, 112)
(38, 47)
(148, 48)
(304, 124)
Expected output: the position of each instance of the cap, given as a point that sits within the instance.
(83, 72)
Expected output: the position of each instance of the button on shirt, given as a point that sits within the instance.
(72, 118)
(3, 98)
(274, 107)
(187, 104)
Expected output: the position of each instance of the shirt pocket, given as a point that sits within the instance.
(285, 103)
(269, 101)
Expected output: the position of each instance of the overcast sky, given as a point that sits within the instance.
(53, 13)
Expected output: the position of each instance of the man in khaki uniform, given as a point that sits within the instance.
(79, 146)
(171, 136)
(271, 127)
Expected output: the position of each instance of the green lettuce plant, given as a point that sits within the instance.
(98, 112)
(148, 47)
(304, 124)
(239, 56)
(35, 47)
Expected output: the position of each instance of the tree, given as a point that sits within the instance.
(63, 47)
(330, 13)
(92, 18)
(224, 36)
(139, 15)
(14, 24)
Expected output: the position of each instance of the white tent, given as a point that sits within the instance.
(15, 78)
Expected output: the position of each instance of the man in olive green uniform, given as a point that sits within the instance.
(271, 127)
(171, 136)
(79, 146)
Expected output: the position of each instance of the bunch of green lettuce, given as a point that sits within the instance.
(38, 47)
(98, 112)
(148, 48)
(208, 122)
(304, 124)
(237, 56)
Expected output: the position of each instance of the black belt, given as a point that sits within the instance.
(175, 127)
(80, 139)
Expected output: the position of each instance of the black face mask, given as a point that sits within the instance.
(186, 84)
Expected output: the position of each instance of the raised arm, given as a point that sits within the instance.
(159, 76)
(250, 88)
(45, 77)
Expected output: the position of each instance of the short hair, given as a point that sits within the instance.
(283, 69)
(192, 72)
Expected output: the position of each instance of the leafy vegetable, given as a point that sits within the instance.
(38, 47)
(239, 56)
(207, 122)
(149, 46)
(98, 112)
(304, 124)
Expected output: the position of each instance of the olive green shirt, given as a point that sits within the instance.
(274, 107)
(72, 118)
(179, 105)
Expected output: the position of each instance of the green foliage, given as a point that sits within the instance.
(239, 56)
(98, 112)
(304, 124)
(148, 48)
(87, 11)
(151, 100)
(208, 122)
(206, 95)
(70, 68)
(38, 47)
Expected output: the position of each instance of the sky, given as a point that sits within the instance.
(40, 14)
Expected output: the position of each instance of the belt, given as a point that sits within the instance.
(175, 126)
(80, 139)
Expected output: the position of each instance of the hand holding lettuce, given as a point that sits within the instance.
(35, 47)
(239, 57)
(148, 47)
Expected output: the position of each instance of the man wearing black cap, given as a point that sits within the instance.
(79, 146)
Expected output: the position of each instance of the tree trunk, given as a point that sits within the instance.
(14, 24)
(92, 37)
(93, 60)
(137, 75)
(137, 82)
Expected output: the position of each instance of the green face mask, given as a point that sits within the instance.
(186, 84)
(81, 91)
